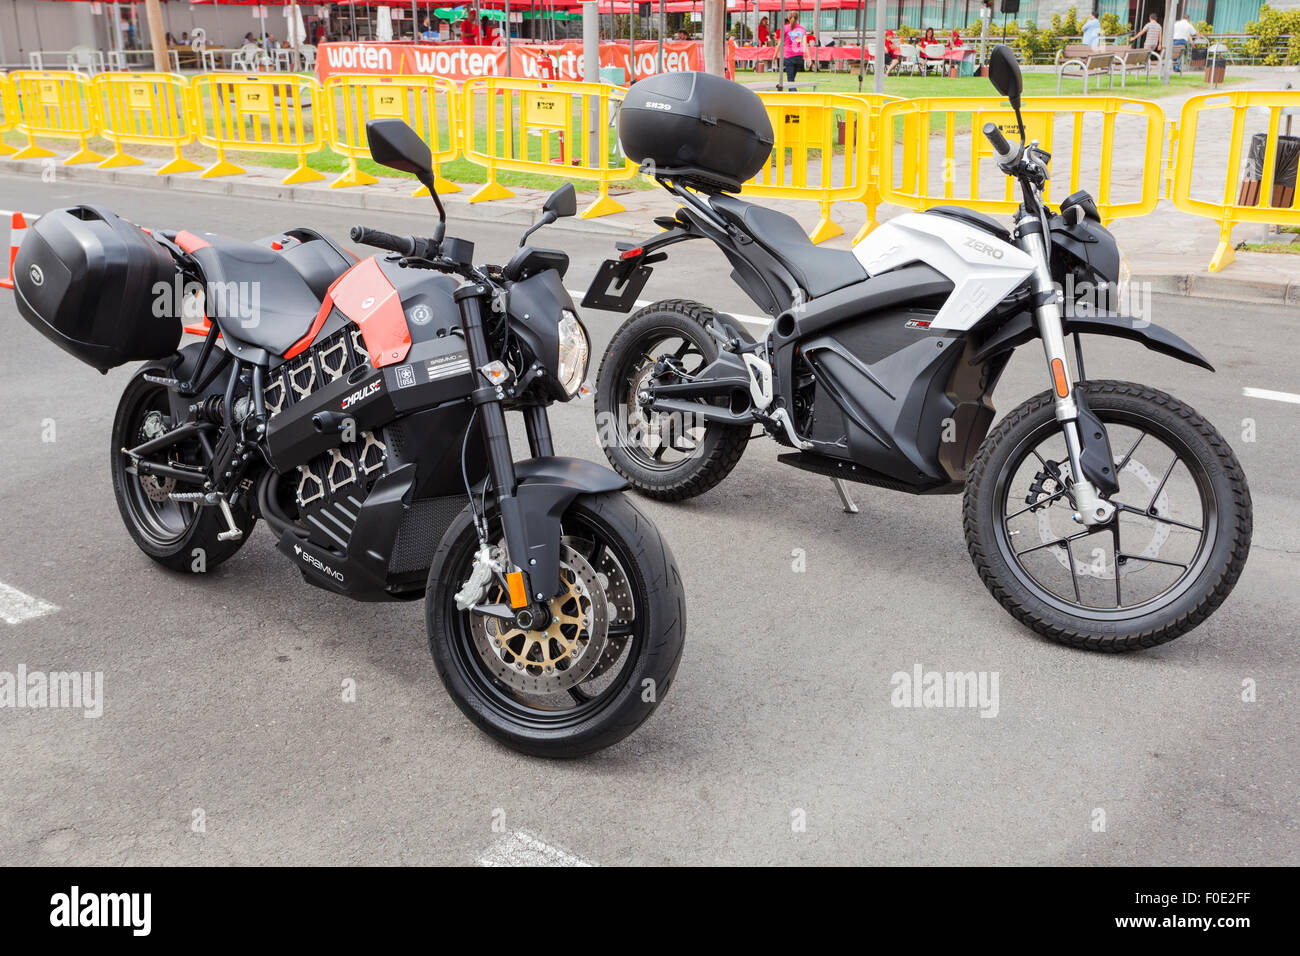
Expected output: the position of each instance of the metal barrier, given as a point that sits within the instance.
(824, 150)
(260, 114)
(556, 128)
(1272, 203)
(911, 187)
(427, 103)
(8, 113)
(57, 104)
(149, 109)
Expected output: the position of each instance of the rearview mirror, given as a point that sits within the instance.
(1004, 74)
(395, 145)
(563, 202)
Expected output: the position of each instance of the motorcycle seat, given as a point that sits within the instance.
(253, 292)
(816, 269)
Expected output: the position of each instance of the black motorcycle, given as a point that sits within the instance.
(358, 409)
(1103, 514)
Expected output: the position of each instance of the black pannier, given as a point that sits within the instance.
(701, 128)
(85, 279)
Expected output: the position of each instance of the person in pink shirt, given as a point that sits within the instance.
(794, 44)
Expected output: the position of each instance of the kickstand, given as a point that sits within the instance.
(845, 499)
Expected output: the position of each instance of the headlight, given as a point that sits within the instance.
(1121, 303)
(571, 369)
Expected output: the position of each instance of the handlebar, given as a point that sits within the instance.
(402, 245)
(1004, 151)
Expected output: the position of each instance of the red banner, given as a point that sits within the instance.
(553, 61)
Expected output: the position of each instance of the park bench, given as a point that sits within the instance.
(1077, 59)
(1135, 61)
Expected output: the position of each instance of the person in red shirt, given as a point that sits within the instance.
(491, 35)
(954, 41)
(469, 32)
(892, 51)
(764, 32)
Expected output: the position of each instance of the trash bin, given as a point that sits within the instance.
(1216, 63)
(1284, 171)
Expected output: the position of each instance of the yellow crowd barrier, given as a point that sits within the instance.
(551, 127)
(57, 104)
(426, 103)
(8, 113)
(262, 114)
(1236, 200)
(907, 179)
(824, 150)
(147, 109)
(828, 147)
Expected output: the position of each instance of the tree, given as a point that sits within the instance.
(157, 36)
(715, 40)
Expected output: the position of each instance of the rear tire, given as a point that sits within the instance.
(179, 536)
(625, 363)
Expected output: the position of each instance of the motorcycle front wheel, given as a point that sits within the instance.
(606, 657)
(1161, 566)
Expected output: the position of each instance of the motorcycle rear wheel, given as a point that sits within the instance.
(181, 536)
(1165, 563)
(666, 457)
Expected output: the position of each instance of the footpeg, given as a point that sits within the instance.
(845, 499)
(174, 383)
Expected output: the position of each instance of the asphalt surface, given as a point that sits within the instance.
(223, 692)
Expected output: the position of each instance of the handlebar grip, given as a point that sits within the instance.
(1001, 147)
(402, 245)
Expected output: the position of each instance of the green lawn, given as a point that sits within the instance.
(1036, 84)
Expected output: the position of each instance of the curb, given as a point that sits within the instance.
(394, 197)
(382, 196)
(1220, 288)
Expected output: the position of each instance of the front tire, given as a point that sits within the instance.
(594, 679)
(1165, 563)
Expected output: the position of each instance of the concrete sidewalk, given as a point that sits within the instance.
(1168, 249)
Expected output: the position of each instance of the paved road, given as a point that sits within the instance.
(222, 693)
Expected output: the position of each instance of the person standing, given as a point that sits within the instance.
(1092, 32)
(469, 31)
(1150, 35)
(1184, 32)
(792, 47)
(764, 32)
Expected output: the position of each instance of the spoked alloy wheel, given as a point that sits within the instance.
(590, 674)
(665, 455)
(1170, 556)
(159, 520)
(180, 535)
(658, 441)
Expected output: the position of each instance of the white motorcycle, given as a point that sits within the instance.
(1103, 514)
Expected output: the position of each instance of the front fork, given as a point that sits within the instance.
(523, 592)
(1090, 508)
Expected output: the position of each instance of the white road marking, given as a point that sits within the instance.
(1271, 396)
(16, 607)
(524, 849)
(761, 321)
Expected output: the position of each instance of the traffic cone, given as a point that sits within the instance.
(17, 226)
